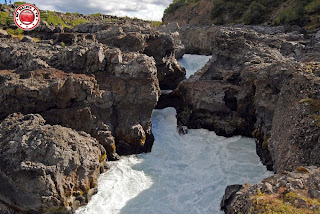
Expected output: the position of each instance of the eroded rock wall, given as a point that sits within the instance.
(111, 96)
(254, 85)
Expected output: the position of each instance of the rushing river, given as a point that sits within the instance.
(184, 174)
(193, 62)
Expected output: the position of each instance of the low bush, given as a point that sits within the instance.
(177, 4)
(4, 19)
(255, 14)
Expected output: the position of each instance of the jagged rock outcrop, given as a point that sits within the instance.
(253, 86)
(111, 97)
(128, 37)
(163, 47)
(199, 39)
(44, 168)
(292, 192)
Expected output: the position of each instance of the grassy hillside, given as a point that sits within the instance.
(305, 13)
(53, 18)
(65, 19)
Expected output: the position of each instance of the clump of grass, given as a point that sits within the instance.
(54, 20)
(79, 21)
(36, 39)
(16, 32)
(96, 15)
(156, 23)
(289, 203)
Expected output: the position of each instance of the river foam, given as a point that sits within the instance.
(193, 62)
(183, 173)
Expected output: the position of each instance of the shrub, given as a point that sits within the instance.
(291, 16)
(313, 7)
(4, 19)
(177, 4)
(255, 14)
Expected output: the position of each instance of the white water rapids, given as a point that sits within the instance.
(184, 174)
(193, 62)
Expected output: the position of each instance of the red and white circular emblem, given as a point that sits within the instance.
(27, 17)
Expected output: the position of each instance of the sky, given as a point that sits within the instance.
(143, 9)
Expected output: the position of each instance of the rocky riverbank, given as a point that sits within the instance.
(75, 97)
(261, 85)
(291, 192)
(262, 82)
(72, 99)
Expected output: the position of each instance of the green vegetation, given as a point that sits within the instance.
(177, 4)
(52, 18)
(313, 7)
(96, 15)
(305, 13)
(255, 13)
(293, 15)
(247, 11)
(70, 14)
(17, 31)
(55, 19)
(18, 3)
(155, 23)
(286, 204)
(4, 19)
(75, 22)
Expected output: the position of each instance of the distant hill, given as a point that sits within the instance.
(305, 13)
(53, 18)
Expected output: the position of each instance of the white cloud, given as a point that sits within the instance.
(143, 9)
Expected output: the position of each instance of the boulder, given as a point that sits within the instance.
(27, 39)
(44, 168)
(3, 33)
